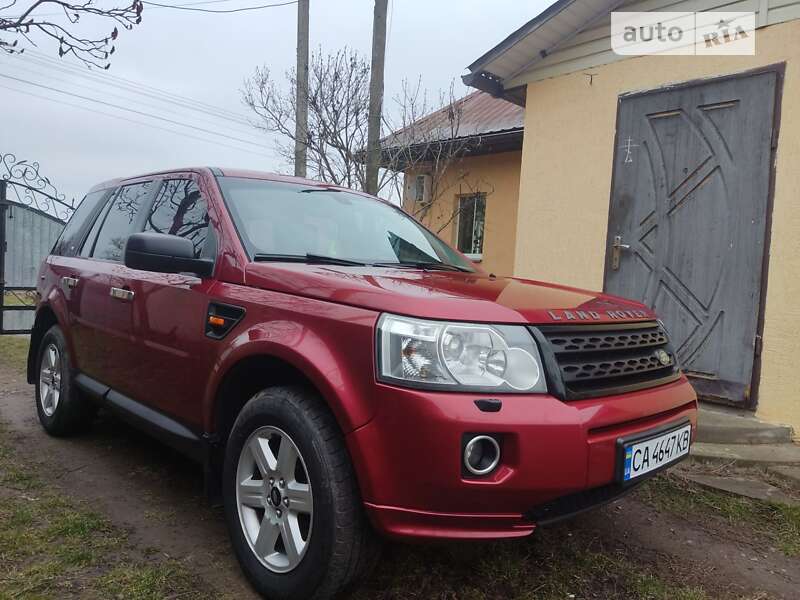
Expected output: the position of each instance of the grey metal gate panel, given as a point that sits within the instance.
(687, 221)
(30, 235)
(26, 237)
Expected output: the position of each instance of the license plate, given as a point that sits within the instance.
(643, 456)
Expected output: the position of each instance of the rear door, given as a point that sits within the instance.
(104, 305)
(688, 220)
(73, 271)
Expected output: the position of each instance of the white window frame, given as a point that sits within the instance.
(476, 257)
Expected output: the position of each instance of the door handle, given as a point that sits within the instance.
(120, 294)
(616, 249)
(70, 282)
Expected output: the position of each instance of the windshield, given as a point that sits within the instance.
(278, 219)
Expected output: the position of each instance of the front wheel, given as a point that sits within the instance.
(291, 500)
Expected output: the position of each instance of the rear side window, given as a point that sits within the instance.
(120, 221)
(180, 210)
(70, 240)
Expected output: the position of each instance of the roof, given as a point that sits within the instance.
(481, 114)
(224, 172)
(531, 43)
(489, 124)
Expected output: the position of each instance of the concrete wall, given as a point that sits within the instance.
(496, 175)
(566, 182)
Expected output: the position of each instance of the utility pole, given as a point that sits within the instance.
(301, 106)
(376, 96)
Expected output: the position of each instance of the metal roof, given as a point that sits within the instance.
(481, 115)
(532, 42)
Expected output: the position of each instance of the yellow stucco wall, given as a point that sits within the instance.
(496, 175)
(566, 181)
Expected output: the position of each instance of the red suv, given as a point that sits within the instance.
(339, 370)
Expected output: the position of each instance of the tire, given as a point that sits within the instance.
(333, 540)
(63, 410)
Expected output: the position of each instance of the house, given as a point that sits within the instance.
(670, 179)
(462, 175)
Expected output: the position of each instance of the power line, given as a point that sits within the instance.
(121, 118)
(134, 85)
(131, 110)
(173, 106)
(61, 14)
(231, 10)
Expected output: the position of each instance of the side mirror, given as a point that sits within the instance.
(164, 253)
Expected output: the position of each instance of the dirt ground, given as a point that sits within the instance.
(156, 495)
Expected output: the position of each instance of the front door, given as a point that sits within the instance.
(169, 362)
(687, 223)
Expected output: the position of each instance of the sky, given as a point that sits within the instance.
(205, 58)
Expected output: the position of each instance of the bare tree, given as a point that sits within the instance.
(428, 139)
(24, 20)
(338, 98)
(418, 133)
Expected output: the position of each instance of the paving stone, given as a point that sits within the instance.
(748, 455)
(742, 486)
(787, 472)
(720, 426)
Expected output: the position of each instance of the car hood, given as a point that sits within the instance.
(476, 297)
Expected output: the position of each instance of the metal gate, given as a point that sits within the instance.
(31, 219)
(688, 220)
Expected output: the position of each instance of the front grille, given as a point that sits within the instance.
(586, 361)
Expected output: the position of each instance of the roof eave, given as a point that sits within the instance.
(486, 82)
(475, 145)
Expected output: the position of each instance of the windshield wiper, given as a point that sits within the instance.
(424, 265)
(319, 189)
(311, 259)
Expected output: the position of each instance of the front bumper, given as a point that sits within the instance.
(408, 458)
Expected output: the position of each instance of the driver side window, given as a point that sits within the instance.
(179, 209)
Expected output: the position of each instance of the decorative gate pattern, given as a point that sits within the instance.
(32, 216)
(687, 225)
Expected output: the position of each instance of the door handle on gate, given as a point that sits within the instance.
(70, 282)
(616, 249)
(121, 294)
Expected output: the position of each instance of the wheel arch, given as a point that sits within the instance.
(245, 378)
(45, 319)
(241, 379)
(256, 364)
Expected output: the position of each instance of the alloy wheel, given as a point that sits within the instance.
(273, 495)
(50, 379)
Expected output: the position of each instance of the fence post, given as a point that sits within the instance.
(3, 248)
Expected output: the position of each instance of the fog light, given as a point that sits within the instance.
(481, 455)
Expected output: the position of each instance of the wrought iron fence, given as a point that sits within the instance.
(32, 215)
(28, 187)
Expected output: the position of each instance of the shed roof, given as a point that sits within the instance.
(481, 114)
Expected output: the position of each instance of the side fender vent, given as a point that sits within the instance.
(221, 319)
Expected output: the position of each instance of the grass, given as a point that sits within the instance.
(52, 546)
(777, 522)
(19, 299)
(14, 351)
(557, 563)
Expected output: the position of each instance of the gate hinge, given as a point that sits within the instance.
(758, 345)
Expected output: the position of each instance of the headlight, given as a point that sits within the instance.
(458, 356)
